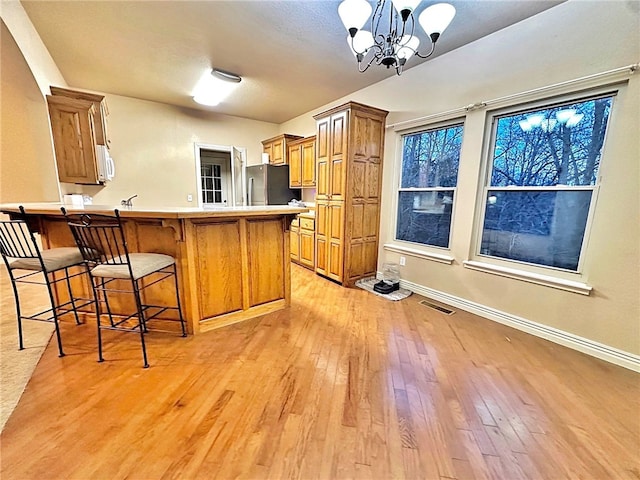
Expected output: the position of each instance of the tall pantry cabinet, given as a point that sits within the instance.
(349, 150)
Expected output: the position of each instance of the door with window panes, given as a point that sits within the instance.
(215, 182)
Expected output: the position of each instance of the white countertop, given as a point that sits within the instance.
(53, 208)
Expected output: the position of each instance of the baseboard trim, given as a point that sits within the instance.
(575, 342)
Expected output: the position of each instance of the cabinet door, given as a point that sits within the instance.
(309, 164)
(294, 243)
(322, 211)
(338, 156)
(268, 149)
(278, 152)
(322, 159)
(295, 166)
(100, 112)
(73, 139)
(335, 240)
(307, 247)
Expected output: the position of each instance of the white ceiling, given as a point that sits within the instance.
(292, 55)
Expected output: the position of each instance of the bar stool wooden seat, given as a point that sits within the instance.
(113, 269)
(25, 261)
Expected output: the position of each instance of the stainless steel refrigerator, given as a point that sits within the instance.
(269, 185)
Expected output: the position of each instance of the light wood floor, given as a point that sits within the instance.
(344, 384)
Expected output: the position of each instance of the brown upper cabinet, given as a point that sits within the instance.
(302, 162)
(277, 149)
(100, 111)
(349, 150)
(78, 124)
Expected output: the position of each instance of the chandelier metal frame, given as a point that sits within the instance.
(392, 47)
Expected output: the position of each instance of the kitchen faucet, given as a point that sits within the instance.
(128, 202)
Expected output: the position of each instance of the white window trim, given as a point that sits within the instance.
(539, 279)
(524, 271)
(424, 250)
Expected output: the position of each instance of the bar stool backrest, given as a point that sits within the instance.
(100, 238)
(17, 241)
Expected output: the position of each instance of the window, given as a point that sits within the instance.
(211, 177)
(543, 174)
(427, 186)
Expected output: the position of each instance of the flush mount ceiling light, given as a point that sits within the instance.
(214, 86)
(226, 76)
(393, 46)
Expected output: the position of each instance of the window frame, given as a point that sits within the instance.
(477, 259)
(213, 190)
(416, 248)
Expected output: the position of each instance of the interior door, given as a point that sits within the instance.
(215, 177)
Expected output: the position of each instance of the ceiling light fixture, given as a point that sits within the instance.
(394, 46)
(227, 76)
(214, 86)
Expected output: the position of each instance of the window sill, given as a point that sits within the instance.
(548, 281)
(436, 257)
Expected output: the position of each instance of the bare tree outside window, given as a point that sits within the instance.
(544, 171)
(429, 178)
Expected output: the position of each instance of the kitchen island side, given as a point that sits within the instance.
(233, 263)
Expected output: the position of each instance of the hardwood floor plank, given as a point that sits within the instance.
(343, 384)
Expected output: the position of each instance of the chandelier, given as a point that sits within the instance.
(391, 47)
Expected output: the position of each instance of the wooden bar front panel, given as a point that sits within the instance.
(218, 256)
(266, 272)
(230, 269)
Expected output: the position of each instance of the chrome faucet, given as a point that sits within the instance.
(128, 202)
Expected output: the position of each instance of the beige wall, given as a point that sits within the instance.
(560, 44)
(27, 171)
(153, 148)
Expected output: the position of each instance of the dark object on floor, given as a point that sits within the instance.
(384, 287)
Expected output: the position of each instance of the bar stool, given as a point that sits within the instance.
(102, 243)
(20, 252)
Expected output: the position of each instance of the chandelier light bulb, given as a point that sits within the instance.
(535, 120)
(435, 19)
(407, 46)
(354, 14)
(564, 115)
(525, 125)
(574, 120)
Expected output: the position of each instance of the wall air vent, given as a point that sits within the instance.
(439, 308)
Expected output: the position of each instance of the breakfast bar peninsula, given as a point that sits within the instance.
(233, 262)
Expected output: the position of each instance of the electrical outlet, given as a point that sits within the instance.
(189, 198)
(402, 261)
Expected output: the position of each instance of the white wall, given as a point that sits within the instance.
(572, 40)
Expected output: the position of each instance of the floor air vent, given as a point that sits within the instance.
(440, 308)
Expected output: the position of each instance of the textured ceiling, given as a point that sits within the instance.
(292, 55)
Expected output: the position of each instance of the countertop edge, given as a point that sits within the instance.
(163, 212)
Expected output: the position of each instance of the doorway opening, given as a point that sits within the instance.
(220, 175)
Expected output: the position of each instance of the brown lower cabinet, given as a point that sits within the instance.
(302, 241)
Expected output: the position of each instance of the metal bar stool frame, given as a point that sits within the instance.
(102, 242)
(18, 246)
